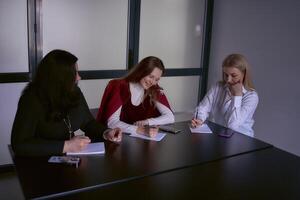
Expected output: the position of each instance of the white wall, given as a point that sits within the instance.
(267, 33)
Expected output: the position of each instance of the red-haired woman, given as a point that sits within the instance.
(137, 100)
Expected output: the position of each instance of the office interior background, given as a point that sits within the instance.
(109, 36)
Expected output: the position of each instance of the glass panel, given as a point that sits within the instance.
(93, 91)
(172, 31)
(95, 31)
(183, 97)
(8, 107)
(13, 36)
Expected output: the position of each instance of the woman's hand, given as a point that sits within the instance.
(141, 123)
(236, 89)
(196, 122)
(150, 131)
(76, 144)
(113, 135)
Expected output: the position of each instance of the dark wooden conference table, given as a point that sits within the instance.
(181, 165)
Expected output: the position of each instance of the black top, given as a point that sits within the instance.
(33, 135)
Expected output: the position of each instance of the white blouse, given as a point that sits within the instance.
(235, 112)
(137, 94)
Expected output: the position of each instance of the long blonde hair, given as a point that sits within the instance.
(240, 62)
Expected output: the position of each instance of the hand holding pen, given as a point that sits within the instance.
(195, 121)
(113, 135)
(76, 144)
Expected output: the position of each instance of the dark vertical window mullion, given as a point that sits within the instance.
(31, 28)
(133, 32)
(34, 34)
(39, 32)
(208, 20)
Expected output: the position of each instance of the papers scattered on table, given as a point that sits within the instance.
(92, 148)
(158, 137)
(201, 129)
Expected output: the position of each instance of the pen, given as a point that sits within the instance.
(196, 115)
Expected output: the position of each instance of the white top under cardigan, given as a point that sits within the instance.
(137, 94)
(235, 112)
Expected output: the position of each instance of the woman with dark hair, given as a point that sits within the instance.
(52, 108)
(137, 100)
(232, 101)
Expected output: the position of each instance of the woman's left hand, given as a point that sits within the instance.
(113, 135)
(141, 123)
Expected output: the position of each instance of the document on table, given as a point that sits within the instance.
(92, 148)
(159, 136)
(201, 129)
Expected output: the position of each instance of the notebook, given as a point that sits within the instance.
(159, 136)
(201, 129)
(92, 148)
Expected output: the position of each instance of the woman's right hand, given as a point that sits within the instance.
(149, 131)
(76, 144)
(236, 89)
(196, 122)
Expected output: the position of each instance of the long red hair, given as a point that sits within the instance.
(144, 68)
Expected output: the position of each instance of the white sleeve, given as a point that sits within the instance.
(241, 108)
(166, 116)
(114, 122)
(205, 106)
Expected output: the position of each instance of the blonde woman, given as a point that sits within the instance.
(232, 101)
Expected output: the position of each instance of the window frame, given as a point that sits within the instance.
(35, 30)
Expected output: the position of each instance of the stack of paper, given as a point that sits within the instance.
(92, 148)
(201, 129)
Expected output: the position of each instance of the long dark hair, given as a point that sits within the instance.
(54, 83)
(144, 68)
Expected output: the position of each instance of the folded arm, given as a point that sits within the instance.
(241, 109)
(115, 122)
(166, 116)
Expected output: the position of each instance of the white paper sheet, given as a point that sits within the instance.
(92, 148)
(158, 137)
(201, 129)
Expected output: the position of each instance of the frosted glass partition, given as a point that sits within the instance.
(13, 36)
(172, 30)
(182, 92)
(8, 106)
(95, 31)
(93, 91)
